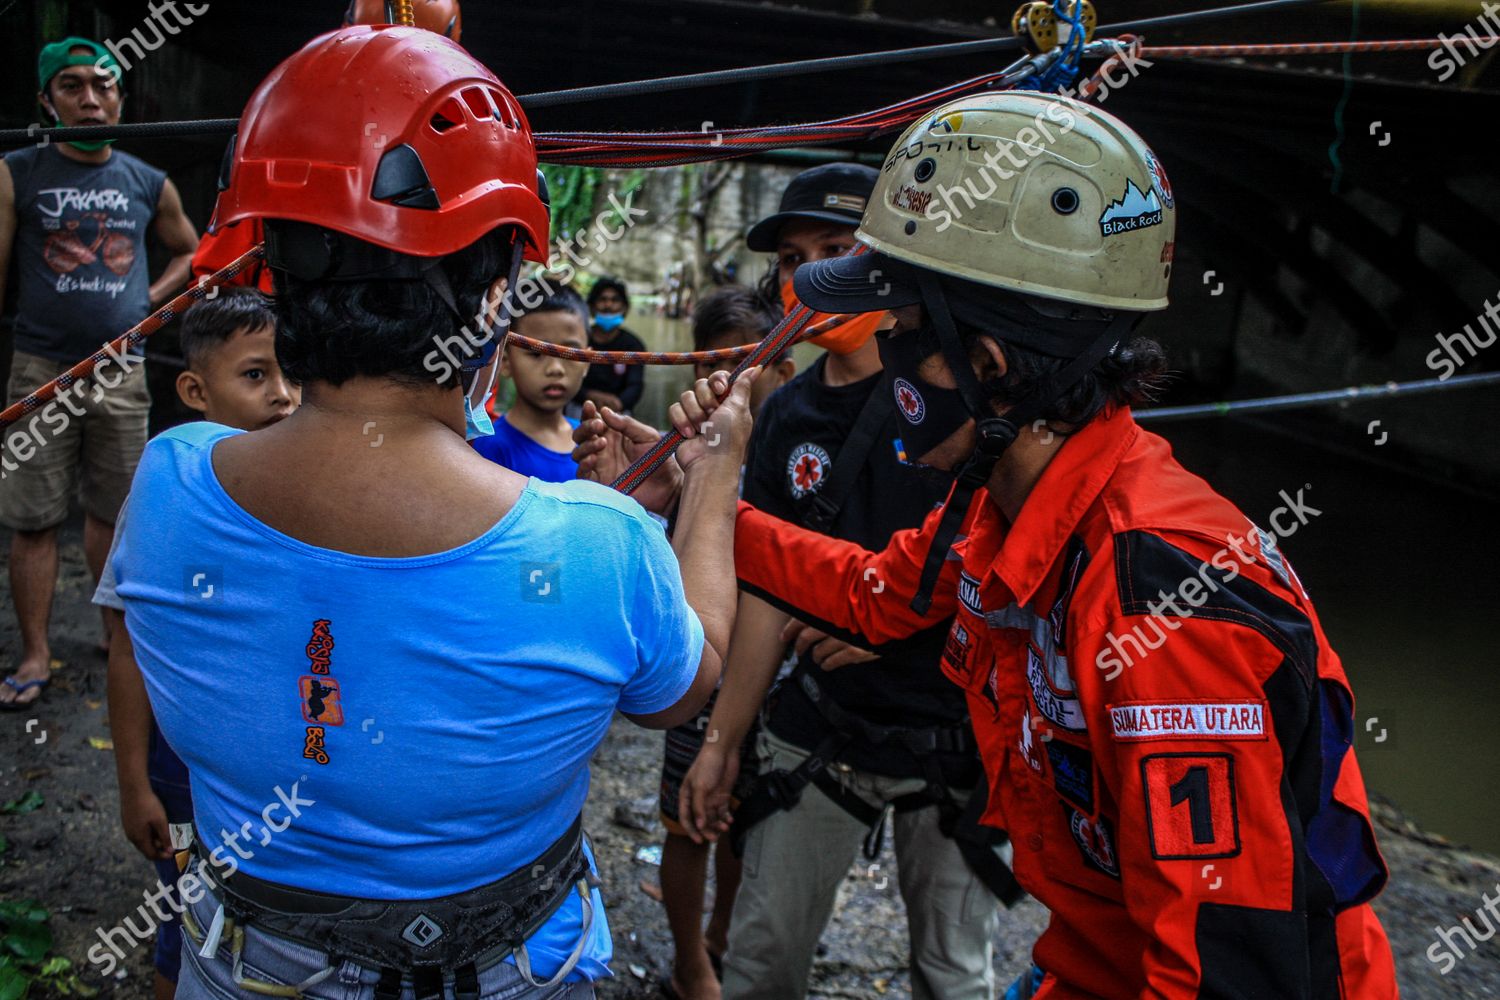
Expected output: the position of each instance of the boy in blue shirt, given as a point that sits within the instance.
(232, 378)
(534, 437)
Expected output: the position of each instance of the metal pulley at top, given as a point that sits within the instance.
(1044, 26)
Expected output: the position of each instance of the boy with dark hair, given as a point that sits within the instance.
(534, 437)
(232, 378)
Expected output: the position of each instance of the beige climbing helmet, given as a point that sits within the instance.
(1035, 193)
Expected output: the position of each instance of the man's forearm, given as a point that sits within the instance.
(129, 709)
(755, 652)
(704, 542)
(172, 278)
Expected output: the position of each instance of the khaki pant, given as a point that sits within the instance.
(93, 438)
(794, 862)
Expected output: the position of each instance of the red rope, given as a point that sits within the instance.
(1302, 48)
(130, 338)
(778, 340)
(596, 357)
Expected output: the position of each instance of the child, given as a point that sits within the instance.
(232, 378)
(731, 316)
(534, 437)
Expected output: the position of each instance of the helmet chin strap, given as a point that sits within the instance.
(495, 336)
(996, 433)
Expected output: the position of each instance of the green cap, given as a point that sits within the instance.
(59, 55)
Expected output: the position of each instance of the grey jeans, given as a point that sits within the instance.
(278, 960)
(794, 862)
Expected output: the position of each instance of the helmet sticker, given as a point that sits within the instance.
(1136, 209)
(1159, 182)
(910, 401)
(806, 469)
(911, 199)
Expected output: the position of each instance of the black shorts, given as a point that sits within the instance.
(681, 746)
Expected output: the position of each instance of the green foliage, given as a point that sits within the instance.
(573, 191)
(25, 940)
(30, 802)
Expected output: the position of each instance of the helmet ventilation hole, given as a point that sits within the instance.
(911, 226)
(1065, 201)
(925, 170)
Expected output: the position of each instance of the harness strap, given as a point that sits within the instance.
(826, 503)
(427, 982)
(478, 927)
(780, 789)
(466, 983)
(389, 986)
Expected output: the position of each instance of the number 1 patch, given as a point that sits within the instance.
(1190, 806)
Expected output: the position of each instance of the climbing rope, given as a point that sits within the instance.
(597, 357)
(1298, 48)
(638, 88)
(774, 343)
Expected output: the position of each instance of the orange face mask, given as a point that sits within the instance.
(844, 333)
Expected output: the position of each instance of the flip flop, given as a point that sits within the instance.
(16, 706)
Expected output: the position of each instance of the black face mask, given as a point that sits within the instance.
(930, 414)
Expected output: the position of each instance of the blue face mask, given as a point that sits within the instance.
(608, 321)
(477, 423)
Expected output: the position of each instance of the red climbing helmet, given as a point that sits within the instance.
(392, 135)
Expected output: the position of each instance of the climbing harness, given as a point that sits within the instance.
(427, 942)
(983, 848)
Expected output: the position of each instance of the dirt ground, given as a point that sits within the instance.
(70, 855)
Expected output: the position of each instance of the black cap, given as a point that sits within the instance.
(833, 192)
(873, 282)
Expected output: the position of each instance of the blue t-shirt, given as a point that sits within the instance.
(439, 711)
(519, 453)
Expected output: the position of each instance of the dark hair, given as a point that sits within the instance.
(769, 289)
(208, 325)
(606, 284)
(332, 331)
(554, 299)
(730, 308)
(1135, 373)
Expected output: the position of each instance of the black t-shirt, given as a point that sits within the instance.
(793, 451)
(625, 381)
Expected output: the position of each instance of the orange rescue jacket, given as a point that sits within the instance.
(1166, 731)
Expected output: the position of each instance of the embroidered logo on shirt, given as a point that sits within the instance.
(320, 646)
(1072, 773)
(1096, 842)
(1052, 687)
(807, 468)
(320, 701)
(318, 693)
(968, 593)
(913, 408)
(1188, 720)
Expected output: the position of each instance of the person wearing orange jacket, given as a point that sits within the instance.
(1166, 731)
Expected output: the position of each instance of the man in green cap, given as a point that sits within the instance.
(74, 216)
